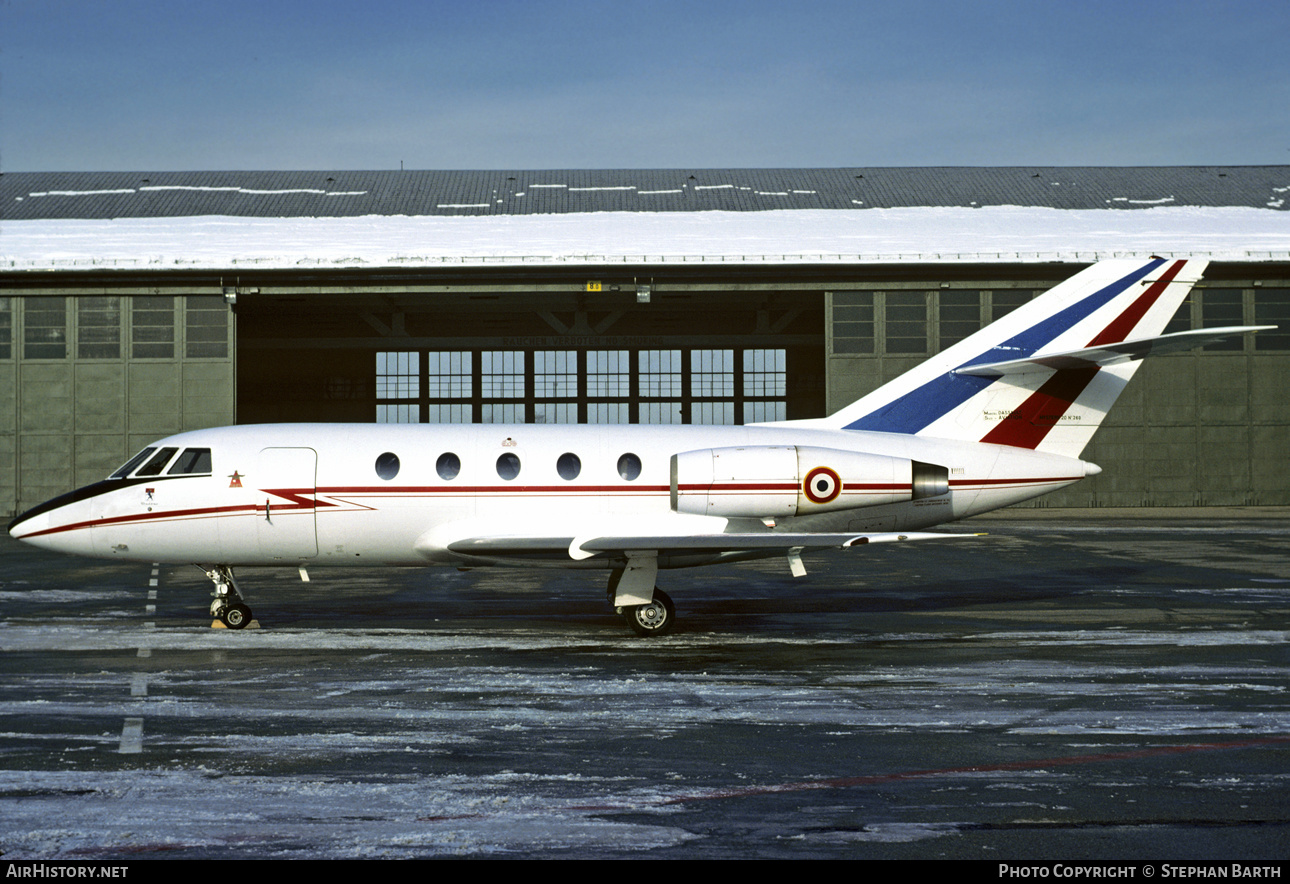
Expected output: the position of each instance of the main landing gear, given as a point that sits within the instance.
(228, 607)
(632, 593)
(655, 618)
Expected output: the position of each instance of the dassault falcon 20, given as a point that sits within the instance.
(998, 418)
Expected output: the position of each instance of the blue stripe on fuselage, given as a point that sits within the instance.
(939, 396)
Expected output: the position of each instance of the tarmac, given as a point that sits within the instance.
(1076, 685)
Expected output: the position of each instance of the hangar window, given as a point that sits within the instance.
(1004, 301)
(152, 327)
(398, 377)
(206, 327)
(660, 374)
(6, 328)
(853, 322)
(906, 322)
(387, 465)
(712, 378)
(508, 466)
(569, 465)
(608, 373)
(98, 327)
(44, 331)
(959, 316)
(192, 462)
(765, 385)
(1223, 307)
(629, 466)
(1272, 307)
(449, 386)
(582, 386)
(448, 466)
(555, 386)
(502, 386)
(609, 386)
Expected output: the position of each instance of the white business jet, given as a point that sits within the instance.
(996, 419)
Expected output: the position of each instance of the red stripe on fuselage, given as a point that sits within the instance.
(432, 491)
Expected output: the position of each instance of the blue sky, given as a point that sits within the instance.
(101, 85)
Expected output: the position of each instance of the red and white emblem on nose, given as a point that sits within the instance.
(822, 485)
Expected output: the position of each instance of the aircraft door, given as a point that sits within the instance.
(284, 507)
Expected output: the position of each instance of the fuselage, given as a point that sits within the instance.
(380, 494)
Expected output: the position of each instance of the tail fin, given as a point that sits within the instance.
(1044, 376)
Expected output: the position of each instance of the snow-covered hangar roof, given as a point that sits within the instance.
(219, 220)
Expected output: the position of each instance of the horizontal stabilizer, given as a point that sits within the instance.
(1111, 354)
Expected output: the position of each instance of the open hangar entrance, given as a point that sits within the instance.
(531, 345)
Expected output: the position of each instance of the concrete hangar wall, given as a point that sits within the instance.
(135, 306)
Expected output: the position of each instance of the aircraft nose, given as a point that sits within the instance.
(61, 523)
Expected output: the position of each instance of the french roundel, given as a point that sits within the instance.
(822, 485)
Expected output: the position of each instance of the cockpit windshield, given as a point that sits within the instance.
(152, 460)
(157, 463)
(130, 464)
(191, 462)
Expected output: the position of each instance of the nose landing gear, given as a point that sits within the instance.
(229, 608)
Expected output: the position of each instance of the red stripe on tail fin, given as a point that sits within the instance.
(1030, 422)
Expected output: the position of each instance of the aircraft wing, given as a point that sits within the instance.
(588, 546)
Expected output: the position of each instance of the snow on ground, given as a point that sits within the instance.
(928, 234)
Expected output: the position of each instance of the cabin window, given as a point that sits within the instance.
(629, 466)
(387, 465)
(130, 464)
(158, 462)
(568, 466)
(192, 462)
(508, 466)
(448, 466)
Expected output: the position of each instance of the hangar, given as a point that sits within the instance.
(136, 305)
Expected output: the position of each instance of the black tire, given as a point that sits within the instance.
(236, 615)
(656, 618)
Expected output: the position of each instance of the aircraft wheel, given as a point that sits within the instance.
(236, 615)
(217, 608)
(656, 618)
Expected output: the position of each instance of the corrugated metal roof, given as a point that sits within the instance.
(95, 195)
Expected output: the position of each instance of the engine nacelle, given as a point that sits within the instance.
(769, 482)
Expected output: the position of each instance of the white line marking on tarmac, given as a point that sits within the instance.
(139, 685)
(132, 737)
